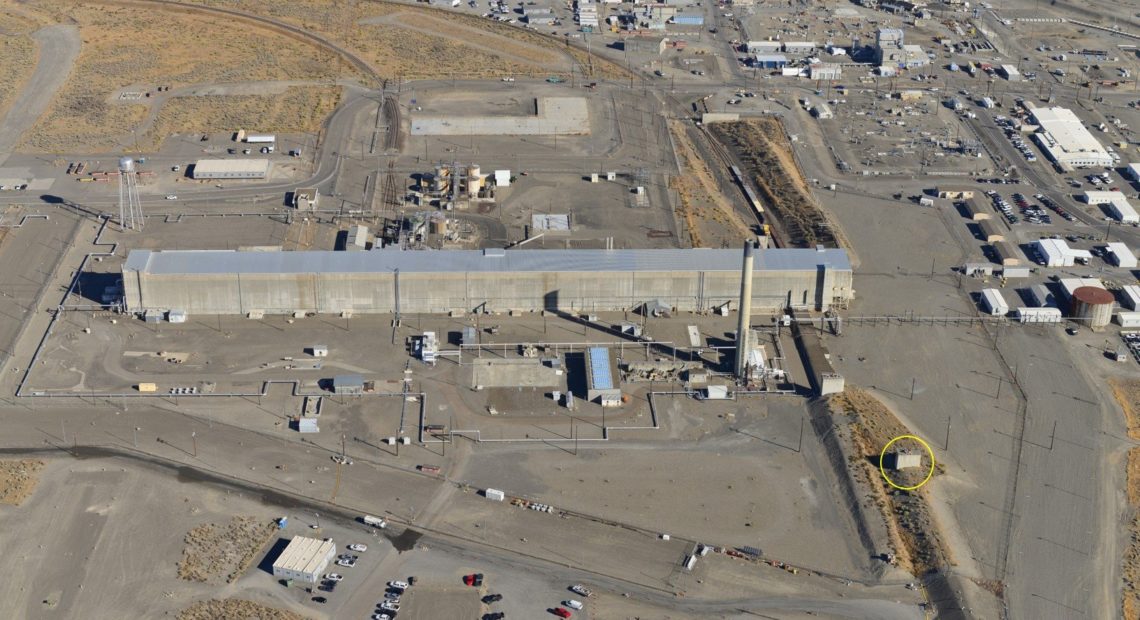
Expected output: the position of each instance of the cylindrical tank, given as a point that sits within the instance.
(473, 180)
(437, 225)
(1092, 306)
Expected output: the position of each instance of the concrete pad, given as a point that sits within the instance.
(555, 116)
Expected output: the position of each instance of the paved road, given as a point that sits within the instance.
(59, 45)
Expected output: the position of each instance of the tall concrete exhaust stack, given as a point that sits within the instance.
(744, 322)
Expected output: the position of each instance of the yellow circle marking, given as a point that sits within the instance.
(883, 470)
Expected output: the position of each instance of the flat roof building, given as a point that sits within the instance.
(1121, 256)
(305, 198)
(1116, 203)
(348, 384)
(1057, 253)
(304, 559)
(1066, 141)
(825, 71)
(601, 381)
(439, 281)
(230, 169)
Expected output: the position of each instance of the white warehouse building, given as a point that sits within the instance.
(304, 559)
(1067, 141)
(1116, 203)
(1057, 253)
(231, 169)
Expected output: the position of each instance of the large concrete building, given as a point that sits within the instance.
(230, 282)
(1066, 141)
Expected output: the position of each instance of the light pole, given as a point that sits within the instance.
(194, 438)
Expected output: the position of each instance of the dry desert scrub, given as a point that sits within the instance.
(298, 110)
(18, 480)
(125, 46)
(220, 553)
(235, 609)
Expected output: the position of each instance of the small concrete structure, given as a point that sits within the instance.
(305, 198)
(902, 460)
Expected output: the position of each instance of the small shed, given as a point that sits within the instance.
(319, 350)
(902, 460)
(348, 384)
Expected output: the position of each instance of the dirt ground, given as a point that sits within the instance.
(221, 553)
(123, 46)
(18, 480)
(709, 215)
(1127, 392)
(298, 110)
(423, 42)
(763, 147)
(909, 520)
(234, 609)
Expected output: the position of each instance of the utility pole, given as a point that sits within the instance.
(194, 438)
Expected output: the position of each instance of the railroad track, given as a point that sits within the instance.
(779, 237)
(392, 116)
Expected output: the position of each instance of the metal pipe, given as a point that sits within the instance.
(744, 320)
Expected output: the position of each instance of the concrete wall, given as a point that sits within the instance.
(440, 292)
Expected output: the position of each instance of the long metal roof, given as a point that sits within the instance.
(195, 262)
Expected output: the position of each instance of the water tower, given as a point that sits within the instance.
(130, 209)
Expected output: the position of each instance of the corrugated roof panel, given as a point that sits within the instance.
(600, 376)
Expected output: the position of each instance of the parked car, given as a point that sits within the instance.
(346, 563)
(171, 197)
(334, 577)
(474, 579)
(320, 599)
(399, 585)
(581, 589)
(358, 547)
(492, 598)
(498, 615)
(561, 612)
(573, 604)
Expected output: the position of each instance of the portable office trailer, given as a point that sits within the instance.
(1121, 255)
(994, 303)
(1130, 297)
(1039, 315)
